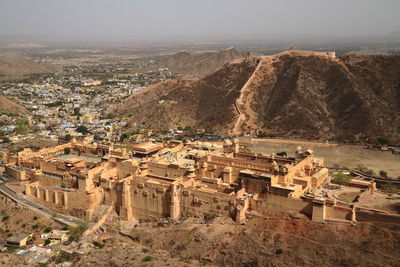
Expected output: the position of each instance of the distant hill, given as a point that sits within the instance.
(293, 94)
(199, 64)
(16, 65)
(9, 107)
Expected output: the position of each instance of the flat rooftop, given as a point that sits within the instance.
(146, 147)
(76, 158)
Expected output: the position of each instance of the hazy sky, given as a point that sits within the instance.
(168, 18)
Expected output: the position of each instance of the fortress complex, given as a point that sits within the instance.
(170, 179)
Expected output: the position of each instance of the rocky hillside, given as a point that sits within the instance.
(353, 98)
(196, 102)
(275, 242)
(15, 65)
(9, 107)
(199, 64)
(292, 94)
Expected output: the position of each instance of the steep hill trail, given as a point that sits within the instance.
(265, 71)
(239, 102)
(294, 94)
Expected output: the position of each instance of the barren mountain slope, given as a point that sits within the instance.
(278, 242)
(9, 107)
(15, 65)
(353, 98)
(292, 94)
(199, 64)
(190, 102)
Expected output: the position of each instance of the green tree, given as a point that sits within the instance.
(68, 137)
(383, 174)
(22, 126)
(77, 112)
(383, 140)
(6, 140)
(123, 137)
(82, 129)
(67, 150)
(282, 154)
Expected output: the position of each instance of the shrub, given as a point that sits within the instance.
(5, 218)
(67, 150)
(47, 229)
(210, 216)
(12, 248)
(98, 245)
(35, 218)
(389, 188)
(148, 258)
(341, 178)
(75, 232)
(279, 251)
(47, 242)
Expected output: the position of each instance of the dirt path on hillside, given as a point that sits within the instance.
(240, 105)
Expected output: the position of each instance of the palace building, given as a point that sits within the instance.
(170, 179)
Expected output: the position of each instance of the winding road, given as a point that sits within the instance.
(68, 220)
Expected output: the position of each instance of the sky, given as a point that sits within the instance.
(158, 19)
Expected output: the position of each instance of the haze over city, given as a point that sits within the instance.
(200, 20)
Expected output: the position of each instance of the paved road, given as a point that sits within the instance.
(61, 217)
